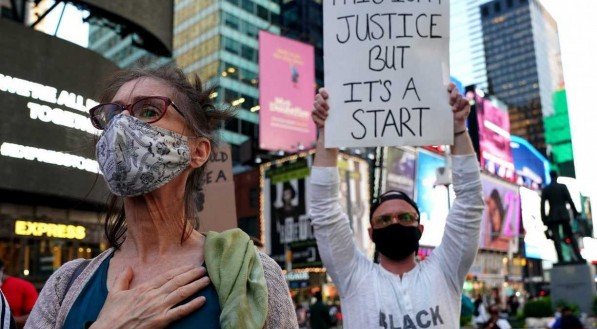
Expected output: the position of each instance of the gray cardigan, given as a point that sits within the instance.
(55, 302)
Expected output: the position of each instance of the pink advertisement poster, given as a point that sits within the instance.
(286, 93)
(494, 139)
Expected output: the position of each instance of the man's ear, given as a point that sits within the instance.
(421, 228)
(200, 149)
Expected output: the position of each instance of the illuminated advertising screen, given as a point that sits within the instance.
(400, 170)
(535, 242)
(288, 231)
(46, 139)
(500, 223)
(432, 200)
(531, 167)
(286, 228)
(494, 138)
(286, 93)
(354, 198)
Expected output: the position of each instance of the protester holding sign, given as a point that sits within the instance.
(399, 292)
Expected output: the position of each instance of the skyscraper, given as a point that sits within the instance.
(522, 55)
(467, 55)
(218, 40)
(302, 20)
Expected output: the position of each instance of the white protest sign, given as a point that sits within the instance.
(387, 71)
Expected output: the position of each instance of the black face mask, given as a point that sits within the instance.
(396, 241)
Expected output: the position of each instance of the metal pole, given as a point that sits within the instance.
(46, 13)
(60, 19)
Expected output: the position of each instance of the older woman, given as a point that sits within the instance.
(158, 129)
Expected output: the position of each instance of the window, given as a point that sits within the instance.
(262, 12)
(248, 53)
(232, 46)
(248, 129)
(247, 5)
(233, 125)
(231, 21)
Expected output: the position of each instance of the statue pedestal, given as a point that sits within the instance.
(573, 283)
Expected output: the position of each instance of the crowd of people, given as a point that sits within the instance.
(158, 129)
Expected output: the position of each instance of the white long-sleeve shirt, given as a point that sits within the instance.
(427, 296)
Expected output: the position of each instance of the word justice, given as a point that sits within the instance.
(388, 26)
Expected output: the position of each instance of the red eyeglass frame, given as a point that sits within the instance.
(167, 103)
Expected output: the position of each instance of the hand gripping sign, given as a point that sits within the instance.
(387, 70)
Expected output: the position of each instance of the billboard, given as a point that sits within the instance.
(287, 228)
(354, 198)
(286, 93)
(285, 223)
(46, 139)
(494, 138)
(532, 168)
(500, 224)
(536, 243)
(219, 207)
(432, 200)
(399, 168)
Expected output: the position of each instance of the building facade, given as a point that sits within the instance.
(467, 54)
(302, 20)
(218, 41)
(522, 56)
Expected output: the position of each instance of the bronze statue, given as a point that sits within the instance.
(558, 219)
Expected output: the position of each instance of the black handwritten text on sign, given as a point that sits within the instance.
(387, 69)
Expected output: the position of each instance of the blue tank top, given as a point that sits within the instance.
(91, 300)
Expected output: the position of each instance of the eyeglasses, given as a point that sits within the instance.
(147, 109)
(405, 219)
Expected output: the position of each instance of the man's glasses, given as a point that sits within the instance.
(405, 219)
(147, 109)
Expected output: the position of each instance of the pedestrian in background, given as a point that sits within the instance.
(480, 315)
(319, 313)
(495, 321)
(158, 129)
(301, 315)
(567, 320)
(6, 320)
(20, 294)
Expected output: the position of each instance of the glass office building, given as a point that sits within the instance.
(302, 20)
(218, 40)
(522, 56)
(467, 55)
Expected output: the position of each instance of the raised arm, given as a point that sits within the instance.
(461, 237)
(343, 261)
